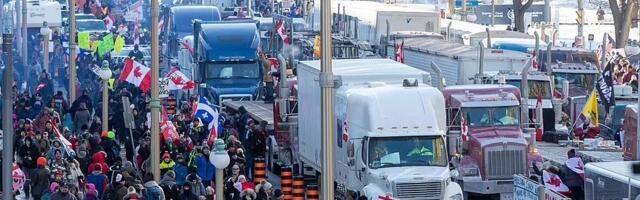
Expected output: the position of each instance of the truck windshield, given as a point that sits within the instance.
(492, 116)
(225, 70)
(407, 151)
(535, 87)
(582, 80)
(569, 57)
(86, 25)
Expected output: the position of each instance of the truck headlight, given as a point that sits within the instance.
(456, 197)
(470, 172)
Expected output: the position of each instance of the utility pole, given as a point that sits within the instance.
(25, 54)
(7, 121)
(547, 11)
(580, 17)
(155, 101)
(72, 50)
(326, 95)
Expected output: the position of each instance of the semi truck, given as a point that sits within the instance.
(459, 63)
(369, 21)
(180, 23)
(578, 66)
(390, 131)
(611, 180)
(227, 66)
(486, 138)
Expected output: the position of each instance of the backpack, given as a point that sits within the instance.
(153, 193)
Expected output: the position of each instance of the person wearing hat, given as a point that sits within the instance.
(117, 189)
(63, 193)
(168, 184)
(278, 195)
(98, 179)
(181, 170)
(205, 169)
(264, 190)
(40, 178)
(131, 194)
(167, 163)
(187, 194)
(110, 146)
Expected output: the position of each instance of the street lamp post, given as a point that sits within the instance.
(105, 73)
(45, 32)
(7, 110)
(220, 159)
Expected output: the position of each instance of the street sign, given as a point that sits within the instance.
(470, 3)
(505, 15)
(163, 91)
(526, 189)
(128, 113)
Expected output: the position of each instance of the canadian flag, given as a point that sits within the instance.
(400, 52)
(137, 74)
(576, 165)
(282, 31)
(537, 117)
(179, 81)
(464, 129)
(553, 182)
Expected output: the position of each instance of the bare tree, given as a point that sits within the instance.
(622, 11)
(518, 12)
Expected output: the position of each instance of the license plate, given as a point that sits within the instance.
(506, 196)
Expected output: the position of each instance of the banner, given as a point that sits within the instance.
(504, 14)
(119, 44)
(135, 12)
(84, 40)
(605, 87)
(106, 45)
(163, 91)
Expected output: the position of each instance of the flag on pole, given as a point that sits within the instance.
(136, 74)
(537, 117)
(169, 132)
(590, 110)
(575, 164)
(464, 129)
(179, 81)
(207, 112)
(400, 52)
(605, 87)
(282, 31)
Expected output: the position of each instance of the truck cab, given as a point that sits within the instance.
(181, 22)
(493, 145)
(574, 65)
(227, 62)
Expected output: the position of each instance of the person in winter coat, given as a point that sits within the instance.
(40, 179)
(82, 116)
(205, 169)
(63, 193)
(29, 153)
(98, 179)
(117, 190)
(110, 146)
(248, 194)
(197, 188)
(75, 174)
(186, 193)
(166, 164)
(99, 160)
(83, 158)
(131, 194)
(92, 192)
(153, 190)
(58, 165)
(169, 186)
(264, 190)
(570, 176)
(181, 170)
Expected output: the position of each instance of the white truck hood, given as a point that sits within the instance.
(410, 174)
(407, 182)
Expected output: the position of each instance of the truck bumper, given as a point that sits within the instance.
(488, 187)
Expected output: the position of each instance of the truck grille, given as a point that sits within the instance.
(236, 98)
(503, 162)
(423, 190)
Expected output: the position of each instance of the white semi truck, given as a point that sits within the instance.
(390, 130)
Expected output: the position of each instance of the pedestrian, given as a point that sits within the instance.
(82, 116)
(278, 195)
(169, 186)
(117, 190)
(572, 174)
(166, 164)
(40, 179)
(197, 188)
(248, 194)
(63, 193)
(205, 170)
(264, 190)
(181, 170)
(98, 179)
(186, 193)
(131, 194)
(153, 190)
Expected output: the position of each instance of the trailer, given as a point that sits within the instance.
(367, 20)
(458, 62)
(611, 180)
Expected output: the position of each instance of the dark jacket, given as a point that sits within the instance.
(39, 181)
(61, 196)
(29, 154)
(570, 178)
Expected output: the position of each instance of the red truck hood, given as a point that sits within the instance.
(492, 135)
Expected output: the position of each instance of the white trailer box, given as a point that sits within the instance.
(390, 134)
(372, 17)
(39, 11)
(458, 62)
(611, 180)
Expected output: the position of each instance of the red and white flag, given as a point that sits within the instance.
(169, 131)
(160, 25)
(179, 81)
(537, 117)
(534, 61)
(576, 165)
(400, 52)
(464, 129)
(553, 182)
(282, 31)
(136, 74)
(108, 22)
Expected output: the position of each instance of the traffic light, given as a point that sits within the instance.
(580, 17)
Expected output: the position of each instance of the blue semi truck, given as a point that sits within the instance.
(181, 22)
(227, 65)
